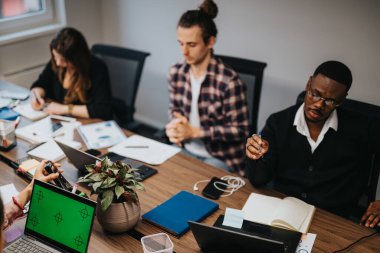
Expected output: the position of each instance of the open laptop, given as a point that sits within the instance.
(58, 221)
(252, 237)
(79, 159)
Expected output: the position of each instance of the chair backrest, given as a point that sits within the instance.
(125, 67)
(371, 111)
(251, 73)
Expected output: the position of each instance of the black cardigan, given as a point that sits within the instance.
(334, 176)
(99, 95)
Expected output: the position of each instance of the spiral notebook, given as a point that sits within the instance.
(173, 215)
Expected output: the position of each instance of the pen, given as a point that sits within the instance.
(37, 98)
(260, 148)
(136, 147)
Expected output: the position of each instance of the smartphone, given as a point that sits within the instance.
(60, 181)
(211, 191)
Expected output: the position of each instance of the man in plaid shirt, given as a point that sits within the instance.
(208, 107)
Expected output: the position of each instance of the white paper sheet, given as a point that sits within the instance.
(7, 192)
(145, 150)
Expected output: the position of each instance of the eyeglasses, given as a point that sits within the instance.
(329, 102)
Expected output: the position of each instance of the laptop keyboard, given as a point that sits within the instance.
(24, 245)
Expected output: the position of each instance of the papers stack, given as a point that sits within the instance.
(39, 131)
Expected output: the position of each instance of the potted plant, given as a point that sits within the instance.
(118, 206)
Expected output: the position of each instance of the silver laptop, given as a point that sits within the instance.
(79, 159)
(58, 221)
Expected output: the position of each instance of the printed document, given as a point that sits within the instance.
(101, 135)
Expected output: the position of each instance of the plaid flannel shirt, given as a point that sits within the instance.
(222, 106)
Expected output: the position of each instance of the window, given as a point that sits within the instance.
(20, 19)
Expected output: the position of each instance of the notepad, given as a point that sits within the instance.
(289, 213)
(173, 214)
(51, 151)
(28, 112)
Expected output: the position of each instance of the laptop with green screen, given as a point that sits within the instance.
(58, 221)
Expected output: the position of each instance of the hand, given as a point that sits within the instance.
(256, 147)
(371, 217)
(56, 108)
(171, 131)
(37, 101)
(179, 129)
(40, 174)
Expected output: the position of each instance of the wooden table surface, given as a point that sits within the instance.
(180, 173)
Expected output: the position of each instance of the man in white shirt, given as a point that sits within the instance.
(319, 151)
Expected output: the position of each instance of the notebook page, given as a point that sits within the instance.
(260, 208)
(27, 111)
(291, 214)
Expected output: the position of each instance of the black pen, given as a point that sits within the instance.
(36, 97)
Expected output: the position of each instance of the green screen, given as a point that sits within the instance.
(60, 218)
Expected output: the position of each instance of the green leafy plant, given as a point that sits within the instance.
(113, 181)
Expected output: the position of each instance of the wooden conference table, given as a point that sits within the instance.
(180, 173)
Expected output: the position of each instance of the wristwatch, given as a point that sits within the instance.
(70, 109)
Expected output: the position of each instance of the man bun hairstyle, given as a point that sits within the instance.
(337, 71)
(203, 17)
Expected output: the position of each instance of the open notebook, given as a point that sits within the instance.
(290, 213)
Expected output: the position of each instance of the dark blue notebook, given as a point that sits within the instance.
(173, 214)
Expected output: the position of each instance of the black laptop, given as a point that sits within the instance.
(252, 237)
(80, 158)
(58, 221)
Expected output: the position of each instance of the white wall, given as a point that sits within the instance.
(292, 36)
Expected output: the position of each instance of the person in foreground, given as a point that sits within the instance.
(14, 209)
(74, 82)
(318, 152)
(208, 107)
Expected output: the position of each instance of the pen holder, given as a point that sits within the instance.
(157, 243)
(7, 135)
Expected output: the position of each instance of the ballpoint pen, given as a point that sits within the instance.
(260, 148)
(36, 97)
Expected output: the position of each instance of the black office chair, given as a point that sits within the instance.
(251, 72)
(125, 67)
(371, 111)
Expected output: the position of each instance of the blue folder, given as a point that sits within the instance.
(173, 214)
(8, 114)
